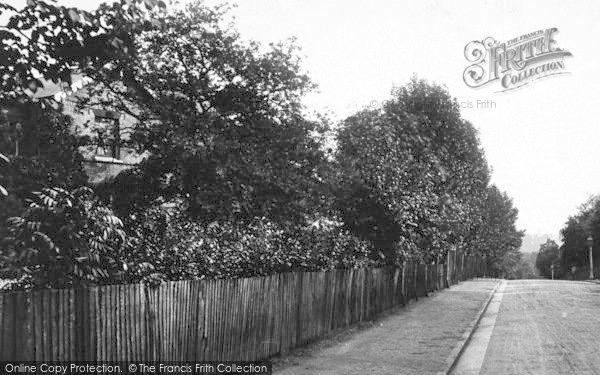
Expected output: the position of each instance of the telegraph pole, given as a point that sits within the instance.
(590, 243)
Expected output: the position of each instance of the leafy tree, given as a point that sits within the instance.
(220, 121)
(413, 176)
(62, 240)
(573, 235)
(497, 236)
(574, 250)
(48, 155)
(43, 40)
(547, 256)
(48, 149)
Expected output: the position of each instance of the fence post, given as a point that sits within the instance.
(449, 268)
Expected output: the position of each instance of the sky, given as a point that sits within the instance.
(540, 141)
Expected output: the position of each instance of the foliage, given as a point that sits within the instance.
(497, 237)
(3, 161)
(46, 41)
(9, 204)
(413, 176)
(48, 155)
(48, 149)
(222, 123)
(574, 249)
(574, 262)
(548, 255)
(62, 240)
(220, 120)
(526, 269)
(170, 247)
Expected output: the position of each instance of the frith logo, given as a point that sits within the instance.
(515, 63)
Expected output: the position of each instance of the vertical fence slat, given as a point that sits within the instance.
(3, 316)
(37, 325)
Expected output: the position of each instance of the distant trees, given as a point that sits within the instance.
(548, 255)
(574, 261)
(526, 269)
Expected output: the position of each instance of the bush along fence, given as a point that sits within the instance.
(210, 320)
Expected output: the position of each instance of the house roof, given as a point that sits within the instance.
(61, 90)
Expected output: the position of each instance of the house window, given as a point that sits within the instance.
(109, 134)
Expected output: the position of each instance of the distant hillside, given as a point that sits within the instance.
(532, 242)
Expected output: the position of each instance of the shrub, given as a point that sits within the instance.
(63, 239)
(173, 248)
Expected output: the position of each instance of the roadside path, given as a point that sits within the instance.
(416, 340)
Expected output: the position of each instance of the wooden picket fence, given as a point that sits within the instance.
(210, 320)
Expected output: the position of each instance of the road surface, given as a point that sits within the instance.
(537, 327)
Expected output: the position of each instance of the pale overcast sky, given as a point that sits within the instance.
(541, 141)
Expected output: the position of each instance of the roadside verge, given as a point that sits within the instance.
(466, 337)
